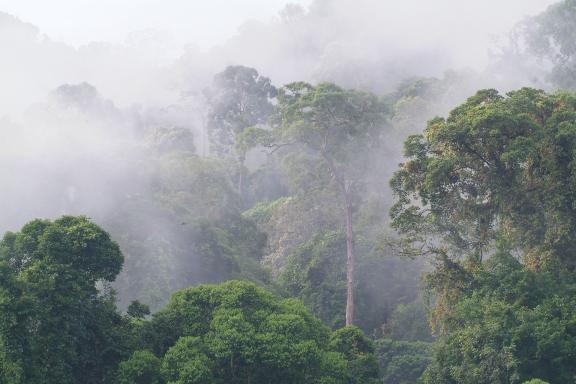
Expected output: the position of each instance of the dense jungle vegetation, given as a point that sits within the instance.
(295, 249)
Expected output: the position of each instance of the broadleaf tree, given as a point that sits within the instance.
(551, 36)
(56, 326)
(239, 98)
(338, 130)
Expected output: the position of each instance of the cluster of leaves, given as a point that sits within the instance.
(239, 98)
(337, 130)
(489, 192)
(181, 224)
(551, 36)
(55, 325)
(495, 164)
(59, 327)
(498, 172)
(316, 273)
(239, 333)
(402, 362)
(187, 229)
(510, 325)
(327, 138)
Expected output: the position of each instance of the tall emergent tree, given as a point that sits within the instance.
(491, 191)
(496, 164)
(337, 130)
(238, 99)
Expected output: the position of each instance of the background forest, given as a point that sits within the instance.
(318, 209)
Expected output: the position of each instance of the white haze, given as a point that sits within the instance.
(336, 38)
(79, 22)
(77, 151)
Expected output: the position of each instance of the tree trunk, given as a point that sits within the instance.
(350, 261)
(350, 256)
(241, 160)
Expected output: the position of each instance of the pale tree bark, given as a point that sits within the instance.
(241, 176)
(350, 261)
(345, 188)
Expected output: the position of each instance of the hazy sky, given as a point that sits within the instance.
(208, 22)
(203, 22)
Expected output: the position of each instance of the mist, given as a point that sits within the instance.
(78, 118)
(287, 191)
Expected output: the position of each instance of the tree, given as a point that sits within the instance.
(409, 322)
(141, 368)
(489, 191)
(57, 327)
(164, 140)
(138, 310)
(495, 164)
(512, 324)
(337, 130)
(238, 333)
(238, 99)
(358, 351)
(185, 228)
(402, 362)
(550, 36)
(316, 274)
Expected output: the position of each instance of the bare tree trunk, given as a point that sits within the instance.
(350, 256)
(241, 159)
(350, 261)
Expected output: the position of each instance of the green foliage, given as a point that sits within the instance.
(290, 222)
(239, 98)
(263, 211)
(358, 352)
(402, 362)
(227, 249)
(187, 231)
(56, 326)
(141, 368)
(326, 135)
(495, 163)
(266, 183)
(510, 325)
(186, 362)
(138, 310)
(341, 127)
(551, 36)
(409, 322)
(316, 273)
(196, 187)
(236, 332)
(494, 179)
(164, 140)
